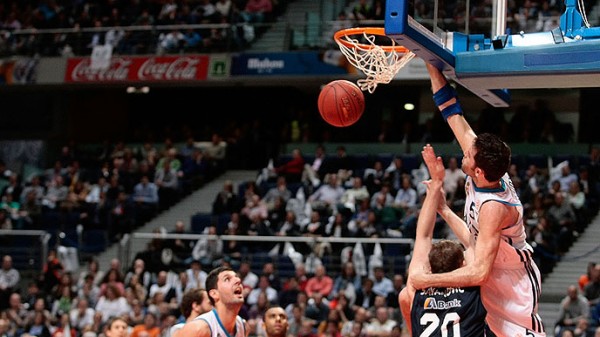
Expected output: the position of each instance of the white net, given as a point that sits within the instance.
(377, 64)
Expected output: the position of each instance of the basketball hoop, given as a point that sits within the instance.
(380, 63)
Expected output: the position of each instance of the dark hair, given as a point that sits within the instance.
(493, 156)
(445, 256)
(213, 278)
(189, 298)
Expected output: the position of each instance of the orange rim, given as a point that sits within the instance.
(340, 34)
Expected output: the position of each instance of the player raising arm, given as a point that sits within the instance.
(433, 310)
(503, 266)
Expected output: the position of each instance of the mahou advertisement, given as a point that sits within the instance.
(139, 69)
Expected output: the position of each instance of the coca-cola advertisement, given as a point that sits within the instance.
(139, 69)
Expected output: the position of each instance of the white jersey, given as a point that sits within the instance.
(216, 326)
(511, 294)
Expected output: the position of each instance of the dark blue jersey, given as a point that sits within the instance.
(448, 312)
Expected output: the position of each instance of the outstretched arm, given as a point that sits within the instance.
(445, 99)
(419, 262)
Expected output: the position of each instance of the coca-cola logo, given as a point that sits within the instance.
(117, 71)
(182, 68)
(120, 69)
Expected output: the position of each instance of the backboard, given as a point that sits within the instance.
(489, 63)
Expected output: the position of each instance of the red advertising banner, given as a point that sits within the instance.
(139, 69)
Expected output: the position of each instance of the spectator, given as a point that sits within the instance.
(139, 270)
(341, 164)
(194, 170)
(248, 277)
(289, 293)
(62, 304)
(31, 211)
(453, 173)
(135, 290)
(216, 151)
(167, 181)
(14, 188)
(365, 297)
(51, 272)
(264, 286)
(81, 314)
(149, 328)
(327, 197)
(592, 290)
(292, 170)
(585, 278)
(296, 319)
(317, 309)
(55, 194)
(39, 326)
(257, 310)
(112, 304)
(163, 286)
(354, 195)
(573, 307)
(226, 200)
(16, 313)
(39, 307)
(319, 283)
(208, 249)
(311, 174)
(271, 272)
(171, 42)
(347, 282)
(394, 172)
(382, 285)
(563, 221)
(34, 187)
(64, 327)
(180, 247)
(114, 278)
(406, 197)
(9, 281)
(381, 325)
(145, 196)
(92, 269)
(280, 190)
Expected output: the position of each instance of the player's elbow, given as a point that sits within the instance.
(480, 276)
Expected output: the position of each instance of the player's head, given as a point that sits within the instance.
(492, 155)
(195, 297)
(275, 322)
(223, 274)
(445, 256)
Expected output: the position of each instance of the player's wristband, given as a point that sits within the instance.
(443, 95)
(452, 109)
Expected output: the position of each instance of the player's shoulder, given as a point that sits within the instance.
(199, 327)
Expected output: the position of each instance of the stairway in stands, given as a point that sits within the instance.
(300, 25)
(199, 201)
(567, 272)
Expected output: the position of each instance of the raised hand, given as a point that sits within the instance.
(435, 165)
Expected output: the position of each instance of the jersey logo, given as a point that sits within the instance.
(433, 304)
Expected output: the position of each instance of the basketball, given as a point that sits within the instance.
(341, 103)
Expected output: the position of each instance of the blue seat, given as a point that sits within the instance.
(285, 266)
(222, 222)
(200, 221)
(94, 241)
